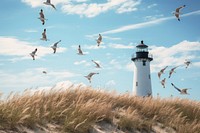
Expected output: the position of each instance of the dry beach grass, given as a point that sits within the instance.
(81, 110)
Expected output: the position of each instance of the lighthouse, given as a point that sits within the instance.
(142, 76)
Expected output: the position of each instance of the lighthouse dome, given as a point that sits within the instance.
(141, 45)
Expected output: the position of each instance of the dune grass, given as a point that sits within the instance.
(76, 110)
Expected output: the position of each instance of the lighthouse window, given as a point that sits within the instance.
(144, 63)
(136, 83)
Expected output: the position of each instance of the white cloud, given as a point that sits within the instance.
(95, 36)
(174, 55)
(111, 38)
(88, 47)
(38, 3)
(80, 7)
(150, 18)
(128, 6)
(79, 62)
(146, 24)
(94, 9)
(21, 49)
(110, 83)
(171, 56)
(121, 46)
(82, 62)
(152, 5)
(130, 66)
(33, 78)
(115, 64)
(81, 1)
(30, 30)
(196, 64)
(58, 87)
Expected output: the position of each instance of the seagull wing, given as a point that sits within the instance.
(91, 74)
(44, 35)
(159, 74)
(53, 6)
(175, 87)
(175, 68)
(55, 44)
(54, 50)
(48, 1)
(162, 70)
(177, 16)
(184, 90)
(42, 15)
(96, 63)
(178, 9)
(170, 73)
(34, 52)
(100, 38)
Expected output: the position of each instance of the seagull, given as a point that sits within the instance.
(99, 40)
(177, 12)
(172, 71)
(163, 82)
(97, 64)
(42, 18)
(187, 63)
(44, 72)
(33, 54)
(48, 2)
(182, 91)
(44, 37)
(80, 52)
(54, 47)
(161, 72)
(89, 76)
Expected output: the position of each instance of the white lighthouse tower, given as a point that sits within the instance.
(142, 77)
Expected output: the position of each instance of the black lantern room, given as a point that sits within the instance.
(142, 52)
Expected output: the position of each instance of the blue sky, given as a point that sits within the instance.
(122, 23)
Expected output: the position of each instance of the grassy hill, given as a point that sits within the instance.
(85, 110)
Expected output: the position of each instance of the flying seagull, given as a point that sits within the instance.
(187, 63)
(97, 64)
(48, 2)
(42, 18)
(80, 52)
(44, 72)
(163, 82)
(89, 76)
(44, 37)
(99, 40)
(172, 71)
(177, 12)
(182, 91)
(55, 46)
(33, 54)
(161, 72)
